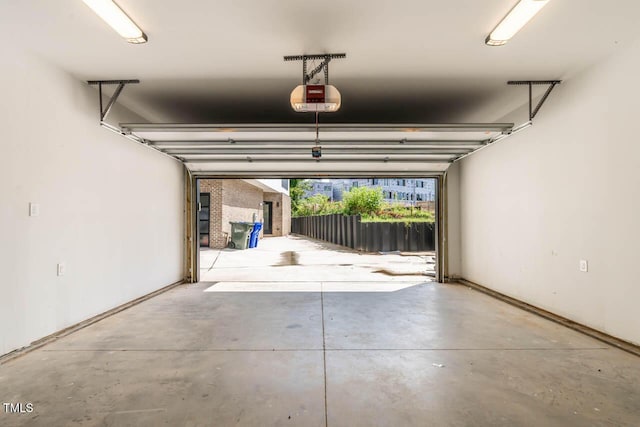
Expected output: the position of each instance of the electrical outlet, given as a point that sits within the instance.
(584, 265)
(61, 269)
(34, 209)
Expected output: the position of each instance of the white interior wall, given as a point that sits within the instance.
(566, 189)
(111, 210)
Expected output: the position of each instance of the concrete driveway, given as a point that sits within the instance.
(299, 263)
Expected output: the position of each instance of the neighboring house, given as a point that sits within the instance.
(400, 190)
(225, 200)
(324, 187)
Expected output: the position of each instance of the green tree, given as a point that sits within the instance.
(297, 188)
(317, 204)
(362, 201)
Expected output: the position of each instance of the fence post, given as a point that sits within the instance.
(421, 230)
(324, 228)
(327, 234)
(333, 228)
(413, 237)
(347, 228)
(431, 246)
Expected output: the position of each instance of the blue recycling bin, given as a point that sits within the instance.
(255, 233)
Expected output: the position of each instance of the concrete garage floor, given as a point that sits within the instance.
(258, 344)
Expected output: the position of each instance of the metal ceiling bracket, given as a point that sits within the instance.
(324, 65)
(121, 83)
(104, 111)
(551, 83)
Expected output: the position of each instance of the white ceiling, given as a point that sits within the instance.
(407, 61)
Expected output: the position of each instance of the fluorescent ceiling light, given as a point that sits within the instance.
(514, 21)
(117, 19)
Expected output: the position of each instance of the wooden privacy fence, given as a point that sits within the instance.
(350, 231)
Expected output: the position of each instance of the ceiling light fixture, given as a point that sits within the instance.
(118, 20)
(514, 21)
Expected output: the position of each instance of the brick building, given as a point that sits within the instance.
(226, 200)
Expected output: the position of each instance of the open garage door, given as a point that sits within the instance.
(276, 150)
(405, 226)
(259, 233)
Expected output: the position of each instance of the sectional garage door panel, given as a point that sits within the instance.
(382, 149)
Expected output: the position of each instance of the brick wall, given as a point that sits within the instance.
(214, 188)
(281, 213)
(236, 200)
